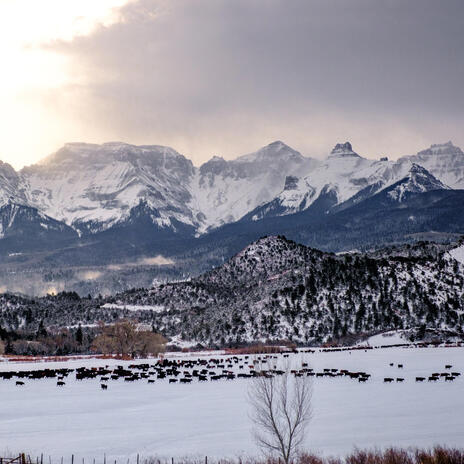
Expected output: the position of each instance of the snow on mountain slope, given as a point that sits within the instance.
(458, 254)
(418, 180)
(445, 161)
(348, 173)
(10, 191)
(99, 184)
(352, 178)
(296, 196)
(23, 221)
(94, 187)
(342, 174)
(224, 191)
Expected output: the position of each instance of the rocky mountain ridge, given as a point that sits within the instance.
(90, 217)
(92, 188)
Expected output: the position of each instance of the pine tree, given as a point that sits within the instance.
(79, 335)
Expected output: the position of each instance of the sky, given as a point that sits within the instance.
(225, 77)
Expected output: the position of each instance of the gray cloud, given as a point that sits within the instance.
(227, 76)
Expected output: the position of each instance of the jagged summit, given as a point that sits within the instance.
(420, 177)
(342, 150)
(93, 187)
(441, 149)
(418, 180)
(445, 161)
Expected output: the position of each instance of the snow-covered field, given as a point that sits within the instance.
(393, 337)
(211, 418)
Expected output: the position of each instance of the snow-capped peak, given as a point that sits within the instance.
(92, 187)
(225, 191)
(445, 161)
(420, 177)
(275, 149)
(342, 150)
(442, 148)
(418, 180)
(100, 184)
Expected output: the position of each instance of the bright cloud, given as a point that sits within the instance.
(226, 77)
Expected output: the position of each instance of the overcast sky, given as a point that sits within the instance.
(225, 77)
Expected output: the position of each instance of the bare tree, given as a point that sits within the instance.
(150, 343)
(281, 411)
(125, 338)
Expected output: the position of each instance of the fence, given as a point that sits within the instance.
(21, 459)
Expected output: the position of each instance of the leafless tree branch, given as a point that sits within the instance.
(281, 410)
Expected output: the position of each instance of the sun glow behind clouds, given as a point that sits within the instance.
(29, 70)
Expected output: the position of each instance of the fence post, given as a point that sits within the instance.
(72, 458)
(138, 458)
(41, 458)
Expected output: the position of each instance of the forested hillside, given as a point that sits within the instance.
(280, 290)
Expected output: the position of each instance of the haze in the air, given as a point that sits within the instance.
(227, 77)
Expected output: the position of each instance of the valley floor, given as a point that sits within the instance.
(212, 419)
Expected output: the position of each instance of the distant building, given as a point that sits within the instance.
(384, 158)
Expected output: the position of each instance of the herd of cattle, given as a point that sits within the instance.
(447, 376)
(185, 371)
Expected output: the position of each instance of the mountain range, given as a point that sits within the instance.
(95, 205)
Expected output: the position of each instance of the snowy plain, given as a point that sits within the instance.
(212, 418)
(393, 337)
